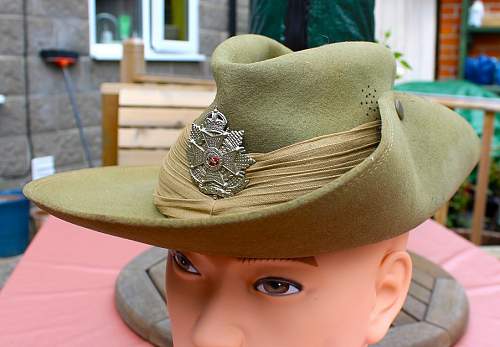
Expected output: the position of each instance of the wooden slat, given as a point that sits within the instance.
(147, 138)
(441, 215)
(467, 102)
(133, 157)
(133, 67)
(115, 88)
(157, 117)
(483, 177)
(166, 98)
(109, 107)
(163, 79)
(133, 62)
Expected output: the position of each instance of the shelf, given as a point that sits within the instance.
(483, 30)
(467, 35)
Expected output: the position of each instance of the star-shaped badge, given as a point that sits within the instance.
(217, 158)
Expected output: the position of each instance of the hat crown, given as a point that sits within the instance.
(279, 98)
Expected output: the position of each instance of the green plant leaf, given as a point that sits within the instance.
(387, 34)
(405, 64)
(398, 55)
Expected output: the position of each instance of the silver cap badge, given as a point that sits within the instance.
(217, 158)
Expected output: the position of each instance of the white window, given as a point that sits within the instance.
(168, 28)
(175, 26)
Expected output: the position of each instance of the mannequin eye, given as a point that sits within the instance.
(184, 263)
(277, 286)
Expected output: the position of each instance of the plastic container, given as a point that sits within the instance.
(481, 69)
(476, 14)
(14, 222)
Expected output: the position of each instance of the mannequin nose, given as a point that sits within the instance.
(212, 332)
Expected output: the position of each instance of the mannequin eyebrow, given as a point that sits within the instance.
(305, 260)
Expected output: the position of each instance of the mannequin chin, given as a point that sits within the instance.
(345, 299)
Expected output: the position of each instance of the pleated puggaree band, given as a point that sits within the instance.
(276, 177)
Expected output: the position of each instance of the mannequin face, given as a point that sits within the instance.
(341, 299)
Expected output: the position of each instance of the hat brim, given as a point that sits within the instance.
(420, 162)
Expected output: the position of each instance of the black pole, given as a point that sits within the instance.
(296, 24)
(231, 25)
(437, 46)
(76, 112)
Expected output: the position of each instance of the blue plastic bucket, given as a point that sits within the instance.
(14, 222)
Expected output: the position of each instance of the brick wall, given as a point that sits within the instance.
(13, 143)
(449, 37)
(64, 24)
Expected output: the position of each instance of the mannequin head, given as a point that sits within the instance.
(347, 298)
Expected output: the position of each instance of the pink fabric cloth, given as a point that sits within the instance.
(478, 272)
(61, 294)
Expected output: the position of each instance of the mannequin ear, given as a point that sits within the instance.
(393, 281)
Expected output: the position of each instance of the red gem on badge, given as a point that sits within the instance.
(213, 161)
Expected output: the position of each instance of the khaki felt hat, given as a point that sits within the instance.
(279, 98)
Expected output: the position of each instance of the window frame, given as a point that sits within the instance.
(160, 44)
(114, 51)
